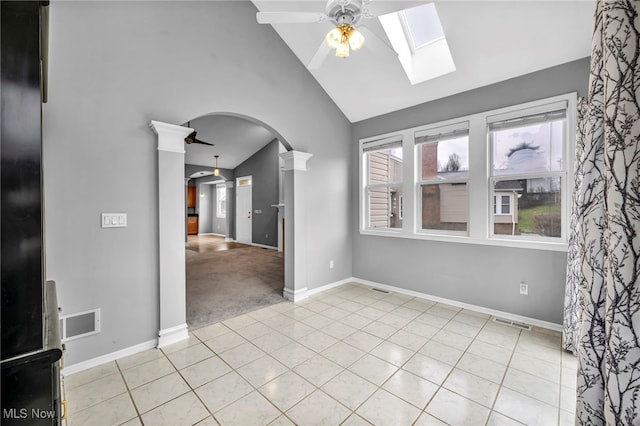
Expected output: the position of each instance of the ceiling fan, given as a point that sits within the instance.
(191, 138)
(344, 15)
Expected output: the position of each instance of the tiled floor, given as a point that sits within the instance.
(348, 356)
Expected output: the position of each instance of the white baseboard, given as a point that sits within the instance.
(329, 286)
(295, 295)
(264, 246)
(169, 336)
(103, 359)
(212, 233)
(229, 240)
(488, 311)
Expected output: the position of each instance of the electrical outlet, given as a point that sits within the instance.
(266, 236)
(331, 264)
(524, 289)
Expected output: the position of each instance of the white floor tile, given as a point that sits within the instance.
(287, 390)
(184, 410)
(252, 409)
(456, 410)
(383, 408)
(318, 409)
(349, 389)
(411, 388)
(525, 409)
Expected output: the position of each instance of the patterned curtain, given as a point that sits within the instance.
(602, 304)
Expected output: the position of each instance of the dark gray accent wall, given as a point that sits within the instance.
(481, 275)
(263, 168)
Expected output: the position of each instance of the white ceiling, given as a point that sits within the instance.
(490, 41)
(235, 139)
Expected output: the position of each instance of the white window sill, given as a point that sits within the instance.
(464, 239)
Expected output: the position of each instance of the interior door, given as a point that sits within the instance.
(243, 210)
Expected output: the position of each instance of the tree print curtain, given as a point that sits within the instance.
(602, 305)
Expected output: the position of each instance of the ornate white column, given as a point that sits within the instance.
(295, 245)
(171, 228)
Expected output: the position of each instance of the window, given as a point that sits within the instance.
(527, 173)
(496, 178)
(384, 196)
(221, 201)
(444, 170)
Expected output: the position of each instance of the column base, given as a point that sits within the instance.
(169, 336)
(295, 295)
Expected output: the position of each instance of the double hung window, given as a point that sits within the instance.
(443, 164)
(383, 171)
(221, 201)
(528, 174)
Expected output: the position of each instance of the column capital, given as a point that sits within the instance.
(170, 136)
(295, 160)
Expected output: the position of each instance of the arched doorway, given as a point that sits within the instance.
(171, 226)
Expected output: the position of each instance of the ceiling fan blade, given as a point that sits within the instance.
(290, 17)
(203, 142)
(320, 56)
(375, 43)
(192, 139)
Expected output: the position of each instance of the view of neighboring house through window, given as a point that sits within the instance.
(527, 173)
(221, 201)
(444, 171)
(384, 200)
(495, 177)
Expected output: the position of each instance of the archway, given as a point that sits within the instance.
(171, 227)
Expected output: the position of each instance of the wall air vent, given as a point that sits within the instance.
(79, 325)
(510, 323)
(380, 290)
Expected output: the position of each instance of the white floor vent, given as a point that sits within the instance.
(79, 325)
(515, 324)
(379, 290)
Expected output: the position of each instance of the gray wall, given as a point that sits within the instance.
(166, 61)
(481, 275)
(264, 170)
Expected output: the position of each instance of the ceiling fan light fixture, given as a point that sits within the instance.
(342, 51)
(342, 37)
(334, 38)
(356, 39)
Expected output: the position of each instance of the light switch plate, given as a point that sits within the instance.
(113, 220)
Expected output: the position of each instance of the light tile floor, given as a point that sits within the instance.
(349, 356)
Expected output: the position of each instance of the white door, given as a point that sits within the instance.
(243, 210)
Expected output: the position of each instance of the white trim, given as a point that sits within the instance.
(169, 336)
(103, 359)
(229, 240)
(264, 246)
(493, 312)
(211, 233)
(295, 295)
(295, 160)
(329, 286)
(170, 136)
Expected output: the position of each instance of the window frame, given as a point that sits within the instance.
(221, 212)
(480, 182)
(371, 146)
(446, 128)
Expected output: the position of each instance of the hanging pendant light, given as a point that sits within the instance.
(216, 171)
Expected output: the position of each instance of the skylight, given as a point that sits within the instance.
(422, 25)
(418, 38)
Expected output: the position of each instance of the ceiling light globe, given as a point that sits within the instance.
(342, 51)
(334, 38)
(216, 172)
(356, 39)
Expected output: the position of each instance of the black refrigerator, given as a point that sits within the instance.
(30, 342)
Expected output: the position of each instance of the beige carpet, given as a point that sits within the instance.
(225, 280)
